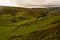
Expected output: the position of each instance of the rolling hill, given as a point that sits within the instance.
(29, 24)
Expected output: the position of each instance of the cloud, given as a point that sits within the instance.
(30, 3)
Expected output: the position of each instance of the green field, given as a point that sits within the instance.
(36, 24)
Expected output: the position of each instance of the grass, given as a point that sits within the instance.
(29, 24)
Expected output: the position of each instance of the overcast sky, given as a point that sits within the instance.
(29, 3)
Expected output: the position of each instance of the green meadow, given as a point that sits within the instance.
(32, 24)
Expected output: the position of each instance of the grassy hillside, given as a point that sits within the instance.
(29, 24)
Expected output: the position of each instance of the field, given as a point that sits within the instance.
(30, 24)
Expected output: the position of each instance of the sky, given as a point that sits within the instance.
(29, 3)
